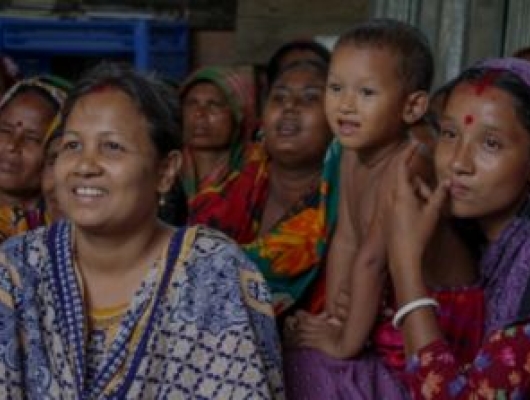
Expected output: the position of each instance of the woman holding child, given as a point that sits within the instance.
(380, 73)
(483, 165)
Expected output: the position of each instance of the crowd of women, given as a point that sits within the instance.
(338, 233)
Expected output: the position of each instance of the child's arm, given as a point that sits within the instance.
(366, 281)
(344, 242)
(367, 272)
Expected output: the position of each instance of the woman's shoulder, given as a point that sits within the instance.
(212, 243)
(25, 254)
(15, 245)
(516, 241)
(221, 254)
(213, 256)
(204, 233)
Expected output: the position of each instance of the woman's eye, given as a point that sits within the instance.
(33, 138)
(311, 96)
(447, 133)
(278, 96)
(492, 143)
(216, 107)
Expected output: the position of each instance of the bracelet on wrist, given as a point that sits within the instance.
(407, 308)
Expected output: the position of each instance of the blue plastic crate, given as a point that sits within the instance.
(148, 44)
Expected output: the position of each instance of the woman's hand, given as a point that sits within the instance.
(412, 212)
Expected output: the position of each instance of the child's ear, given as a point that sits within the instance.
(416, 105)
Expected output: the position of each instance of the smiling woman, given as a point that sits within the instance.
(26, 114)
(118, 304)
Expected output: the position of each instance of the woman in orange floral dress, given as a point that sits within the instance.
(274, 206)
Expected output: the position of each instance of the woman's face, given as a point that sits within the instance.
(23, 125)
(207, 118)
(48, 179)
(484, 151)
(107, 172)
(294, 122)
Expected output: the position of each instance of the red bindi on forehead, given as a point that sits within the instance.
(485, 81)
(468, 119)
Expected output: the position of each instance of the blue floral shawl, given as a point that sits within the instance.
(199, 327)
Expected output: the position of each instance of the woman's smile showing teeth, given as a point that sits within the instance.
(88, 192)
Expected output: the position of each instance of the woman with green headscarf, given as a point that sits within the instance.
(219, 118)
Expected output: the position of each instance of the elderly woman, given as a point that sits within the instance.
(219, 118)
(111, 302)
(27, 111)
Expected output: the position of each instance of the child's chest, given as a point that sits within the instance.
(363, 204)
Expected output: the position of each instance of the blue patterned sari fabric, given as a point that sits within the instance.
(200, 326)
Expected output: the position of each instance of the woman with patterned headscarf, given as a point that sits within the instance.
(27, 112)
(219, 118)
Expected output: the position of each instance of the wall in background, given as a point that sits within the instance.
(262, 26)
(248, 31)
(462, 32)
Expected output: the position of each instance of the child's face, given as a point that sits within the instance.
(484, 151)
(365, 97)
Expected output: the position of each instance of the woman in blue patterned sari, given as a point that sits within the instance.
(113, 304)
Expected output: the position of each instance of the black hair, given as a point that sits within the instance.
(404, 40)
(174, 211)
(155, 100)
(318, 66)
(501, 79)
(275, 61)
(523, 53)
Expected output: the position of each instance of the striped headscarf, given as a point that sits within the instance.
(55, 88)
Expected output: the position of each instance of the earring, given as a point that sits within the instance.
(162, 200)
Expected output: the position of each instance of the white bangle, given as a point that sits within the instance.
(411, 306)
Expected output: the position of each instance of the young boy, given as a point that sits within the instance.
(377, 88)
